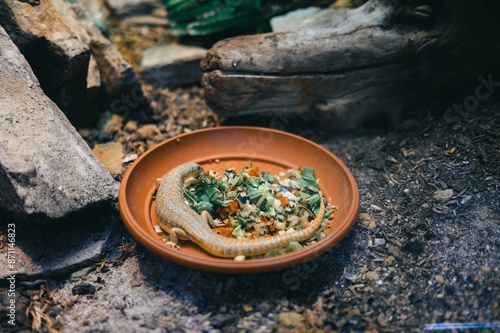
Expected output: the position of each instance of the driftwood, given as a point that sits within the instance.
(382, 57)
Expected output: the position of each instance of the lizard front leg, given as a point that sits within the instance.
(176, 234)
(213, 223)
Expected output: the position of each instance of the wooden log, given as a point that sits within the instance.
(382, 57)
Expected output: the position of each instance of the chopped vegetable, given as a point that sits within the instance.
(256, 204)
(158, 229)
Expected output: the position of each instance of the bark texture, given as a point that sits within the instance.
(382, 57)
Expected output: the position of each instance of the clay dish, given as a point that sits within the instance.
(234, 147)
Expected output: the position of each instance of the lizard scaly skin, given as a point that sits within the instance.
(177, 218)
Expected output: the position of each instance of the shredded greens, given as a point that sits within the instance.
(256, 204)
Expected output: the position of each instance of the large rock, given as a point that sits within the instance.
(46, 169)
(58, 58)
(53, 250)
(172, 65)
(117, 76)
(87, 115)
(119, 79)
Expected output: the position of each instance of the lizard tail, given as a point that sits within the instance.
(231, 247)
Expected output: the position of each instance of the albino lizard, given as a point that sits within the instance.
(181, 222)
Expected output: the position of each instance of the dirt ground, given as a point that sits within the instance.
(424, 250)
(418, 254)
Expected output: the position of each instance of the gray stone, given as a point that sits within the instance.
(117, 76)
(139, 12)
(119, 79)
(222, 319)
(83, 289)
(93, 79)
(443, 195)
(47, 171)
(172, 65)
(69, 18)
(56, 55)
(53, 250)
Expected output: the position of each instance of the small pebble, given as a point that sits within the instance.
(247, 308)
(131, 126)
(462, 253)
(372, 225)
(351, 277)
(443, 195)
(291, 319)
(389, 259)
(381, 319)
(130, 158)
(379, 241)
(149, 131)
(372, 275)
(486, 269)
(364, 217)
(83, 289)
(439, 279)
(222, 319)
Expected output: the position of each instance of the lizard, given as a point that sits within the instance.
(181, 222)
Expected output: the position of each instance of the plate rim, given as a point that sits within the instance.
(216, 264)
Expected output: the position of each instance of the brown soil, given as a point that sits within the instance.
(411, 260)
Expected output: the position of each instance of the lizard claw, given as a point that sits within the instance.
(218, 223)
(173, 245)
(212, 222)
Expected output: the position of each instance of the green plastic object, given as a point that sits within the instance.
(203, 17)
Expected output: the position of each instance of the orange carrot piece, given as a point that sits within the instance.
(224, 231)
(233, 207)
(253, 173)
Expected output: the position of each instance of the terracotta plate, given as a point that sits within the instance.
(222, 148)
